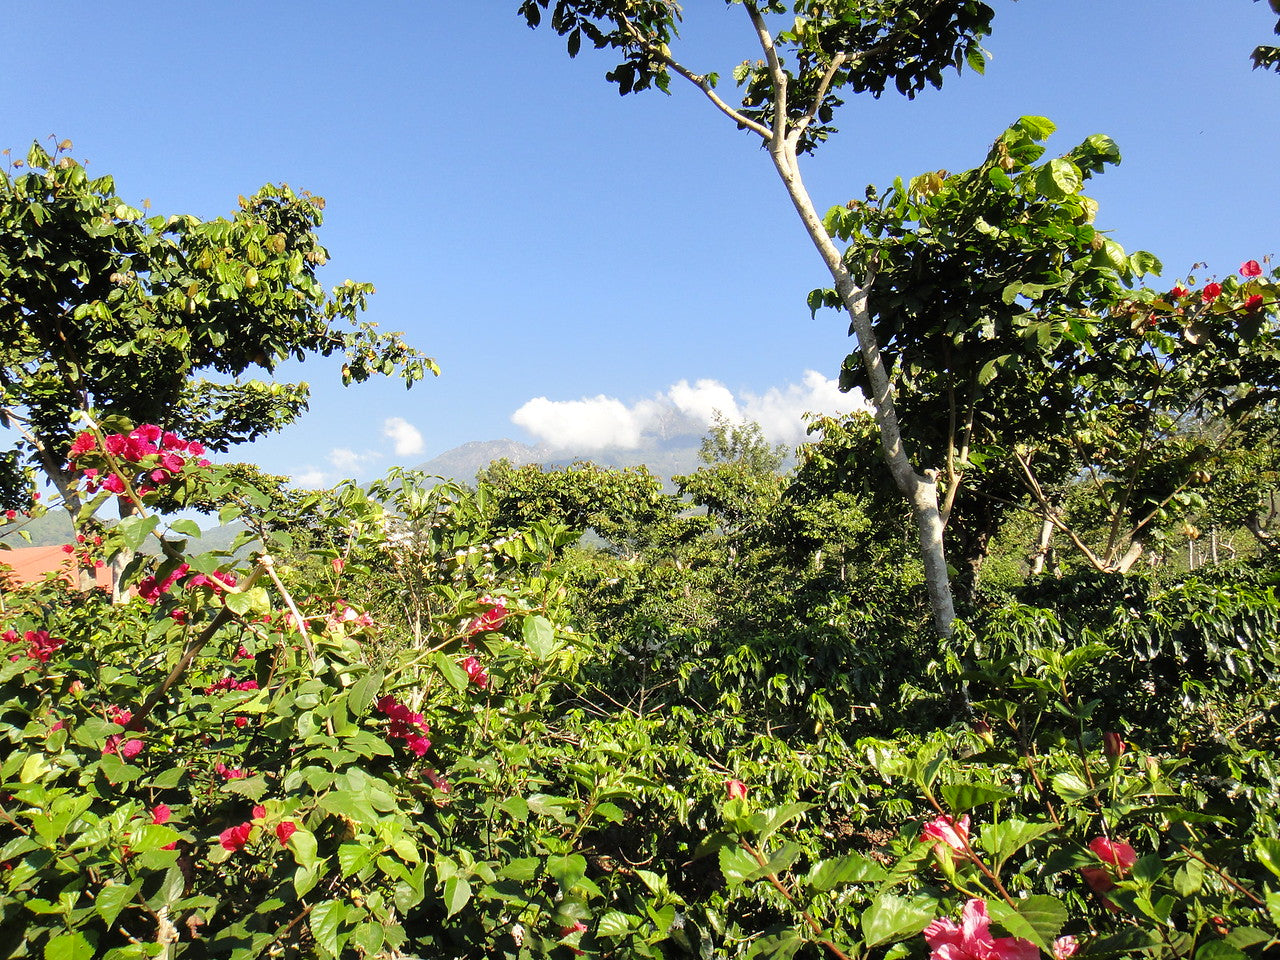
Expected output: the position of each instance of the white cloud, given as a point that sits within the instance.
(592, 423)
(346, 459)
(311, 479)
(405, 436)
(598, 423)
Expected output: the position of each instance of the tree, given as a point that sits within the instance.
(107, 312)
(788, 102)
(1265, 55)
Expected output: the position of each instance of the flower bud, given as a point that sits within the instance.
(735, 789)
(1112, 745)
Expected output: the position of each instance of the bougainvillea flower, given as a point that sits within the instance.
(476, 672)
(284, 830)
(160, 813)
(125, 748)
(83, 443)
(1211, 292)
(735, 789)
(1251, 268)
(971, 939)
(119, 715)
(946, 831)
(234, 838)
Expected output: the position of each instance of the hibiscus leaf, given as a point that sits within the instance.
(1003, 840)
(1037, 918)
(853, 868)
(892, 918)
(965, 796)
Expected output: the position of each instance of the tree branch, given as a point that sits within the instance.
(775, 71)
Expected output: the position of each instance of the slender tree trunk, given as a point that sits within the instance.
(920, 490)
(123, 558)
(1043, 542)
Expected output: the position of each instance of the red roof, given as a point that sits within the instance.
(31, 564)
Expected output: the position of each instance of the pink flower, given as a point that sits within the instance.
(1211, 292)
(1251, 268)
(160, 813)
(197, 450)
(83, 443)
(1065, 947)
(241, 653)
(735, 789)
(1112, 745)
(284, 830)
(948, 832)
(972, 939)
(113, 483)
(126, 748)
(119, 715)
(1117, 854)
(259, 812)
(234, 838)
(230, 773)
(476, 672)
(489, 621)
(148, 432)
(338, 564)
(68, 548)
(438, 781)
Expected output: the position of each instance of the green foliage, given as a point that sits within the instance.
(106, 309)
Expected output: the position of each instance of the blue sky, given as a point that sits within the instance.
(542, 237)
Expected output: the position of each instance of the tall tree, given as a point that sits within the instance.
(107, 311)
(810, 53)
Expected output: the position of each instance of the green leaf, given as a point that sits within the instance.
(69, 946)
(1003, 840)
(325, 921)
(1189, 878)
(891, 917)
(522, 869)
(773, 818)
(453, 674)
(1268, 853)
(134, 530)
(852, 868)
(1038, 128)
(960, 797)
(1219, 950)
(111, 900)
(539, 635)
(252, 601)
(614, 924)
(736, 865)
(1070, 787)
(1059, 179)
(457, 893)
(363, 692)
(1037, 918)
(188, 528)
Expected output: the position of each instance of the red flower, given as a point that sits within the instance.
(113, 484)
(284, 830)
(68, 548)
(126, 748)
(1253, 303)
(971, 939)
(1211, 292)
(160, 813)
(1112, 745)
(735, 789)
(489, 621)
(948, 832)
(1178, 292)
(1117, 854)
(1251, 268)
(234, 838)
(476, 672)
(259, 812)
(83, 443)
(241, 722)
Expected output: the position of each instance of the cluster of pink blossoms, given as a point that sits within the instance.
(489, 621)
(117, 743)
(230, 683)
(1250, 270)
(39, 644)
(151, 589)
(971, 939)
(405, 725)
(157, 456)
(235, 838)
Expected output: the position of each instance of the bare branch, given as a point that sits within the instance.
(775, 71)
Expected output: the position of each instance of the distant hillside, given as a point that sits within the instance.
(54, 529)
